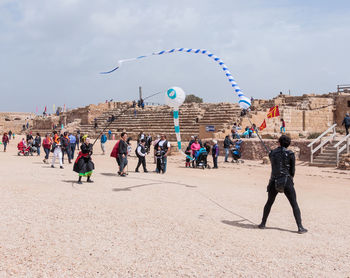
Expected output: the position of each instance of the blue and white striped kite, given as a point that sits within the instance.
(175, 96)
(244, 102)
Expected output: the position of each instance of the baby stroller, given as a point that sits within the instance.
(201, 159)
(236, 152)
(23, 149)
(160, 161)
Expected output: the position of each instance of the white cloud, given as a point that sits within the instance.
(52, 51)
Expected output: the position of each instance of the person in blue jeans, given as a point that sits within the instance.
(103, 142)
(72, 143)
(109, 134)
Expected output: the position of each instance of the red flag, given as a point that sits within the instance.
(45, 109)
(263, 125)
(274, 112)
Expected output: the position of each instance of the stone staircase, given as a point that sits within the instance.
(150, 120)
(221, 115)
(156, 120)
(328, 157)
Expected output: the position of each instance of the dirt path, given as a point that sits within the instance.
(186, 223)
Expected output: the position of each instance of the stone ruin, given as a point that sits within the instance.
(14, 121)
(303, 115)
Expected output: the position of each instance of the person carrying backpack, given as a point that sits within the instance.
(141, 155)
(119, 152)
(65, 147)
(115, 152)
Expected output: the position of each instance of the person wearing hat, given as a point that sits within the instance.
(83, 165)
(346, 122)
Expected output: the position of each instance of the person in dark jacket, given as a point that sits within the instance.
(122, 154)
(83, 164)
(37, 143)
(227, 144)
(65, 147)
(141, 155)
(281, 180)
(215, 154)
(346, 123)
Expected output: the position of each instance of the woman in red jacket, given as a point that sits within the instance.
(47, 143)
(5, 140)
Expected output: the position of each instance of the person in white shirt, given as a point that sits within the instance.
(57, 152)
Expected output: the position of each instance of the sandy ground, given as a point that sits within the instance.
(186, 223)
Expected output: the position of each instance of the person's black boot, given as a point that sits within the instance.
(89, 180)
(302, 230)
(261, 225)
(79, 181)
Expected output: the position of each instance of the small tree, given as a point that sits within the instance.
(193, 98)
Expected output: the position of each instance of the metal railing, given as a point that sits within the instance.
(341, 149)
(322, 143)
(342, 88)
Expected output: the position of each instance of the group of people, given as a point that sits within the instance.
(122, 149)
(58, 144)
(197, 152)
(249, 132)
(66, 144)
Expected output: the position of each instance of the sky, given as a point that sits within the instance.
(51, 52)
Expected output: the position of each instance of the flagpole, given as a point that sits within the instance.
(244, 112)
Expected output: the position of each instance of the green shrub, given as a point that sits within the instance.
(313, 135)
(267, 136)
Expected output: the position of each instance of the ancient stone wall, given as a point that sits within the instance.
(46, 123)
(252, 149)
(342, 107)
(88, 113)
(302, 114)
(14, 121)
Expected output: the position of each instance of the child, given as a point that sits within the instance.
(188, 159)
(160, 160)
(283, 126)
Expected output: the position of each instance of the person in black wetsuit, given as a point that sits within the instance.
(283, 170)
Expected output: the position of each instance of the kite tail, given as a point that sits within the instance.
(177, 133)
